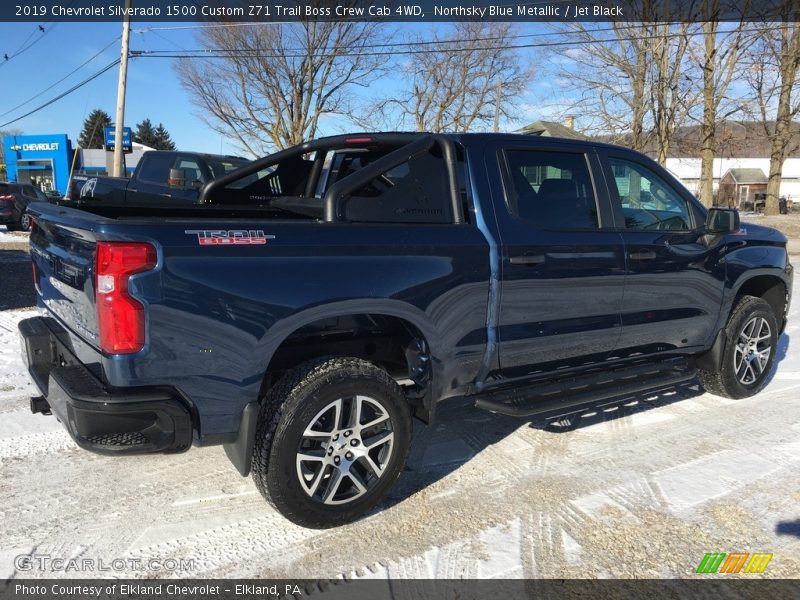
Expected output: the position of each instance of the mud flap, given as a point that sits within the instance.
(240, 452)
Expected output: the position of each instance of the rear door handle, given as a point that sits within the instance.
(527, 259)
(642, 255)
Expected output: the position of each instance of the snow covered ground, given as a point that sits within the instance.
(642, 491)
(12, 237)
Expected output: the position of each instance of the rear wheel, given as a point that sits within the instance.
(752, 339)
(332, 438)
(24, 223)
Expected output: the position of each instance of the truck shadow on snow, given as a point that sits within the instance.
(788, 528)
(462, 431)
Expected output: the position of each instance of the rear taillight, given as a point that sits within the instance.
(120, 318)
(34, 230)
(35, 277)
(7, 198)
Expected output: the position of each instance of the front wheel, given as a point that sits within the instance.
(332, 438)
(752, 340)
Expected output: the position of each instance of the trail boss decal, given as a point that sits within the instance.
(227, 237)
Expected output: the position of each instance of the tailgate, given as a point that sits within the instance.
(63, 251)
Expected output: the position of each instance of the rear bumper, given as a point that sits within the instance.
(106, 421)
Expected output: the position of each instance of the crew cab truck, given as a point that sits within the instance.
(315, 300)
(160, 176)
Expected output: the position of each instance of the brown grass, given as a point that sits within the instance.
(789, 224)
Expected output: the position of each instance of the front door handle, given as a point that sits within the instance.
(642, 255)
(527, 259)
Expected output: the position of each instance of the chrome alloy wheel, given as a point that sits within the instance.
(345, 449)
(752, 351)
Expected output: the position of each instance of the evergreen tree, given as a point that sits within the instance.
(92, 135)
(4, 134)
(163, 139)
(146, 134)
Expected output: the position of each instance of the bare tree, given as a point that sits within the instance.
(269, 85)
(611, 72)
(671, 98)
(468, 80)
(773, 75)
(718, 59)
(630, 79)
(4, 134)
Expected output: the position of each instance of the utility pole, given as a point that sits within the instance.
(119, 123)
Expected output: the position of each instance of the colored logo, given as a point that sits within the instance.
(736, 562)
(225, 237)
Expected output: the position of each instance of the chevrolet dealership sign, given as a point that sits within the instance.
(35, 147)
(46, 157)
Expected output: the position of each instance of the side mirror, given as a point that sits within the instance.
(176, 179)
(722, 220)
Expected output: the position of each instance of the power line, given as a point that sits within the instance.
(338, 19)
(66, 93)
(419, 43)
(67, 76)
(25, 46)
(455, 47)
(154, 31)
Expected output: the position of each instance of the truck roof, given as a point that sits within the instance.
(409, 136)
(205, 155)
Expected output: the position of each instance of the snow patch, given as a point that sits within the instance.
(711, 477)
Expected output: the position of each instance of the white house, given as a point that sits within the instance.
(688, 171)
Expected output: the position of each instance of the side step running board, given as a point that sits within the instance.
(549, 397)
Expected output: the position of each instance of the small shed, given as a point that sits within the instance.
(738, 187)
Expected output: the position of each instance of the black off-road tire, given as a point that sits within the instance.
(725, 382)
(289, 409)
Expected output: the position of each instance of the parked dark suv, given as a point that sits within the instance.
(14, 200)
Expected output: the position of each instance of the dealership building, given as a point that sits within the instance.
(47, 160)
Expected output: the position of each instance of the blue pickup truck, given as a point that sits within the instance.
(315, 300)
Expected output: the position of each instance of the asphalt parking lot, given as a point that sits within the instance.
(641, 489)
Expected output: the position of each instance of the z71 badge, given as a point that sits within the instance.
(227, 237)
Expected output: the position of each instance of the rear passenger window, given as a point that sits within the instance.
(551, 189)
(416, 191)
(287, 178)
(156, 168)
(190, 168)
(647, 201)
